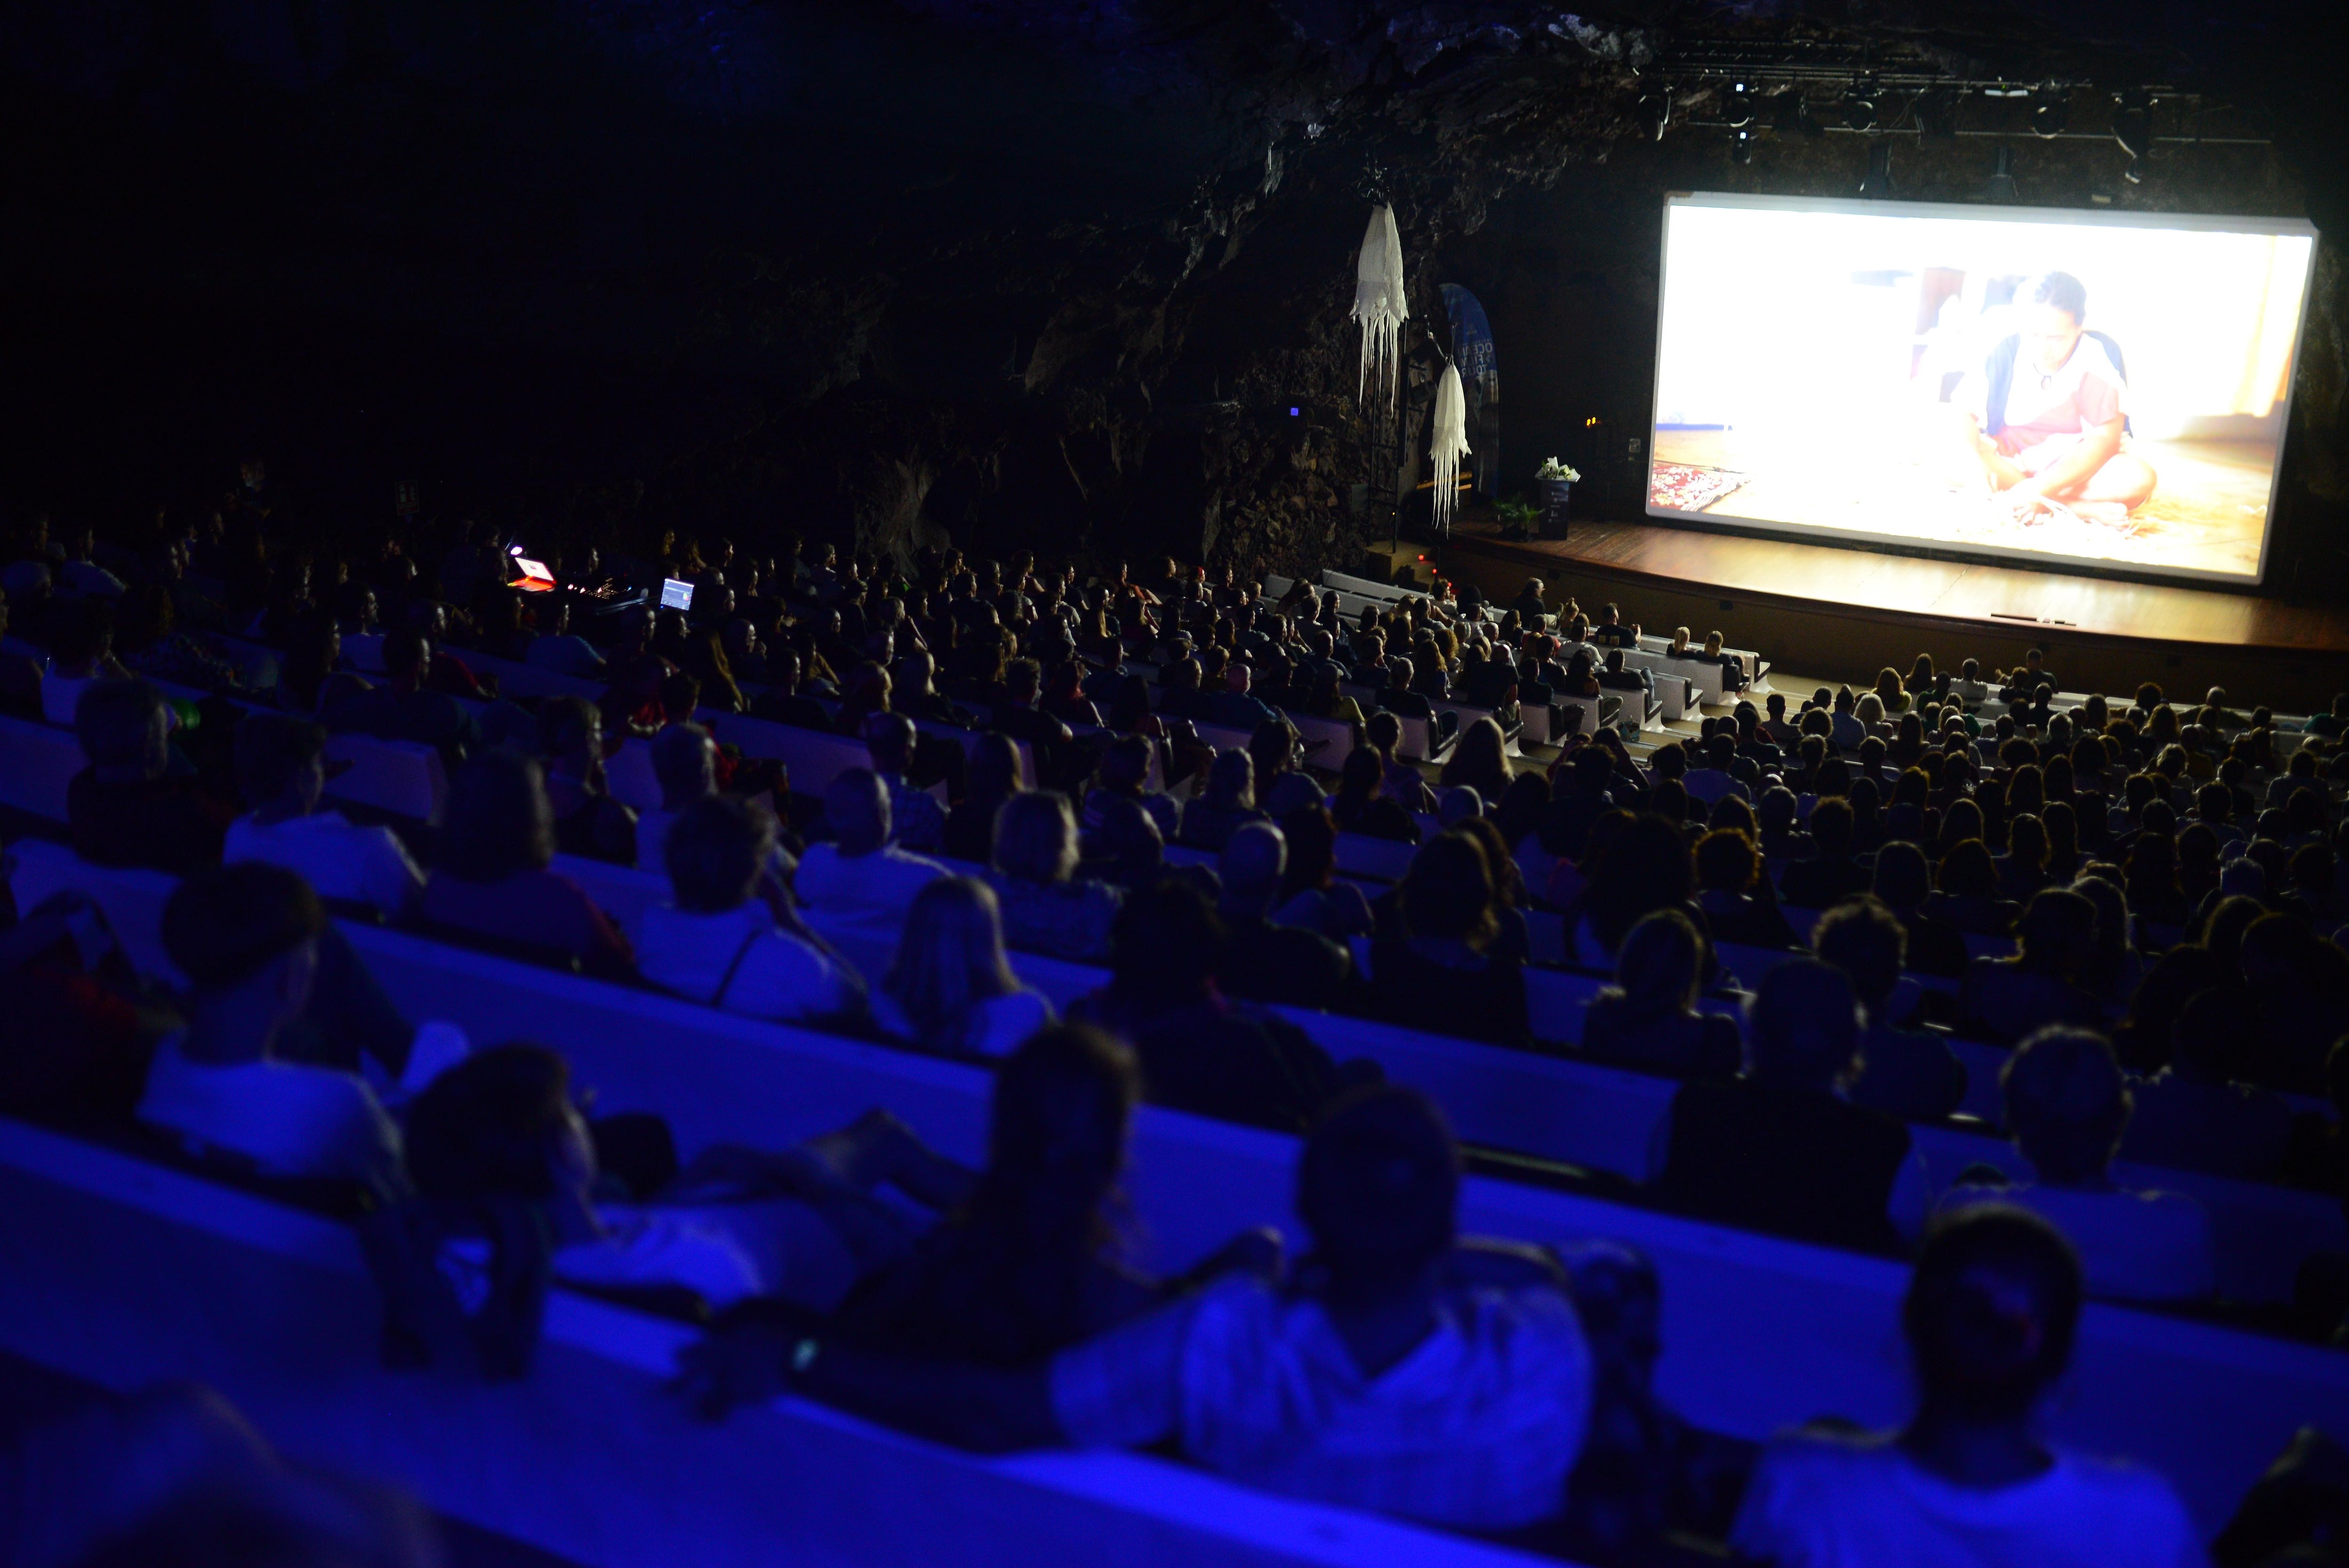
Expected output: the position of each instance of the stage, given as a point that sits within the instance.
(1841, 614)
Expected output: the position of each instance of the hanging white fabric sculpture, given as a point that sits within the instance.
(1379, 302)
(1449, 443)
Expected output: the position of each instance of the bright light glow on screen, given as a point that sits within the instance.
(1883, 370)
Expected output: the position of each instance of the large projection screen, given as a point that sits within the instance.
(2094, 389)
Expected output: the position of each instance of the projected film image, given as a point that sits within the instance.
(2067, 385)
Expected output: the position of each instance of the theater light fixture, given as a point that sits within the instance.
(1655, 109)
(1741, 147)
(1737, 107)
(2051, 114)
(1860, 106)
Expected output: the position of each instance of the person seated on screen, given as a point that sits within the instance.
(137, 803)
(1780, 1148)
(1903, 1072)
(246, 937)
(280, 770)
(2007, 998)
(1649, 1017)
(1990, 1317)
(1401, 1368)
(1047, 907)
(860, 876)
(2044, 418)
(800, 1225)
(729, 936)
(2067, 1107)
(489, 878)
(950, 988)
(1264, 960)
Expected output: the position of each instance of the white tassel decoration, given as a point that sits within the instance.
(1378, 302)
(1449, 443)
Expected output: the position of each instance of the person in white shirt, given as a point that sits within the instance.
(862, 876)
(730, 936)
(2068, 1105)
(281, 769)
(1990, 1317)
(247, 936)
(1403, 1370)
(951, 989)
(800, 1225)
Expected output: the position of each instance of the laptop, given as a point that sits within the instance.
(675, 594)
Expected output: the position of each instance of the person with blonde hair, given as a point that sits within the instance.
(1480, 759)
(1046, 907)
(951, 989)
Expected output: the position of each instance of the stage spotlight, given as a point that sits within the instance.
(1860, 106)
(2051, 114)
(2001, 187)
(1937, 117)
(1741, 147)
(1877, 185)
(1655, 110)
(1737, 107)
(1793, 115)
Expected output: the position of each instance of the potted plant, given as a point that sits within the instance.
(1518, 518)
(1555, 482)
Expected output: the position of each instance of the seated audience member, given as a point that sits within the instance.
(1734, 895)
(1780, 1150)
(991, 779)
(558, 648)
(2007, 998)
(1124, 773)
(1198, 1051)
(1046, 907)
(2067, 1106)
(1209, 820)
(1124, 848)
(1442, 976)
(1405, 1370)
(1263, 961)
(281, 769)
(1033, 1262)
(1361, 804)
(1480, 761)
(1649, 1017)
(917, 821)
(951, 989)
(1904, 882)
(684, 766)
(81, 653)
(1989, 1316)
(588, 821)
(861, 875)
(2200, 1112)
(1903, 1072)
(1831, 874)
(403, 708)
(1965, 891)
(1311, 896)
(247, 936)
(800, 1225)
(1641, 869)
(130, 807)
(20, 678)
(490, 877)
(729, 935)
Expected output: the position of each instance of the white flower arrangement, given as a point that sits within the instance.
(1553, 470)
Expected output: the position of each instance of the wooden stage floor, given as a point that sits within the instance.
(1909, 590)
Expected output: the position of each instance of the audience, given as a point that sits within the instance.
(2067, 1106)
(730, 936)
(489, 881)
(1993, 1306)
(951, 989)
(861, 875)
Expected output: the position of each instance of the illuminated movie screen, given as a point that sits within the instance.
(2088, 387)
